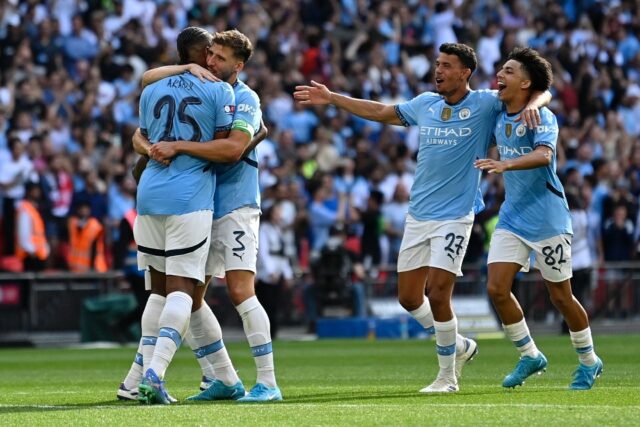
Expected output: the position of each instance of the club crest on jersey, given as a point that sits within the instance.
(446, 113)
(521, 130)
(507, 129)
(464, 114)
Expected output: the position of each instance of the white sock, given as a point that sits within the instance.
(149, 325)
(519, 334)
(172, 325)
(446, 346)
(205, 367)
(583, 344)
(207, 336)
(257, 329)
(134, 376)
(424, 316)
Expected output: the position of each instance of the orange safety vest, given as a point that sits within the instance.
(38, 238)
(80, 244)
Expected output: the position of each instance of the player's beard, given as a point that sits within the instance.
(225, 75)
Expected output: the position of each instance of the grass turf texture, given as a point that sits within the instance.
(344, 382)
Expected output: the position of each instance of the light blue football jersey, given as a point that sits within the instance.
(237, 183)
(535, 206)
(181, 107)
(451, 138)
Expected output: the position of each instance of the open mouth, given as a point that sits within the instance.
(501, 86)
(439, 80)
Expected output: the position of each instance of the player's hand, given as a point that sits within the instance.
(530, 116)
(316, 94)
(202, 73)
(163, 152)
(490, 165)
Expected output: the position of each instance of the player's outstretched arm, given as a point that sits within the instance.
(152, 76)
(531, 113)
(539, 157)
(319, 94)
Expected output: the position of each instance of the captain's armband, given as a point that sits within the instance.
(243, 126)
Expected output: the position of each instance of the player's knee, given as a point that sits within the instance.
(239, 293)
(410, 303)
(497, 293)
(439, 296)
(561, 301)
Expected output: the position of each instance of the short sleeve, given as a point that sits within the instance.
(226, 106)
(248, 114)
(408, 111)
(547, 132)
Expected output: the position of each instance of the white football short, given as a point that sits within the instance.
(552, 255)
(440, 244)
(174, 244)
(234, 242)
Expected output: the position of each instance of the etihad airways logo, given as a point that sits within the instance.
(443, 135)
(510, 152)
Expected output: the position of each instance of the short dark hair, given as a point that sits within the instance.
(238, 42)
(538, 68)
(190, 39)
(465, 53)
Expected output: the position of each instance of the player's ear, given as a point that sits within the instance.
(239, 66)
(525, 84)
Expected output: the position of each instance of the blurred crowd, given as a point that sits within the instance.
(70, 75)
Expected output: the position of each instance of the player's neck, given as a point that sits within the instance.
(233, 78)
(516, 105)
(455, 97)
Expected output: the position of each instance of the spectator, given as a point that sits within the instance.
(32, 247)
(274, 270)
(337, 276)
(86, 241)
(617, 236)
(15, 170)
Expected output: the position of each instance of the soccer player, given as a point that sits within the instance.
(455, 129)
(175, 203)
(234, 236)
(534, 218)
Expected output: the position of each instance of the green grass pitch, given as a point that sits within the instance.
(331, 383)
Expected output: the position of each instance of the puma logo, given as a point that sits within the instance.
(452, 258)
(238, 255)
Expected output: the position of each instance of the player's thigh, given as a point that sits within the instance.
(414, 249)
(507, 247)
(553, 258)
(214, 266)
(187, 245)
(449, 244)
(150, 236)
(237, 236)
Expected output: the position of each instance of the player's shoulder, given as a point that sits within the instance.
(222, 87)
(427, 97)
(547, 116)
(483, 94)
(244, 94)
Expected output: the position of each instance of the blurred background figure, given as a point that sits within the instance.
(86, 242)
(32, 247)
(15, 170)
(274, 267)
(337, 280)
